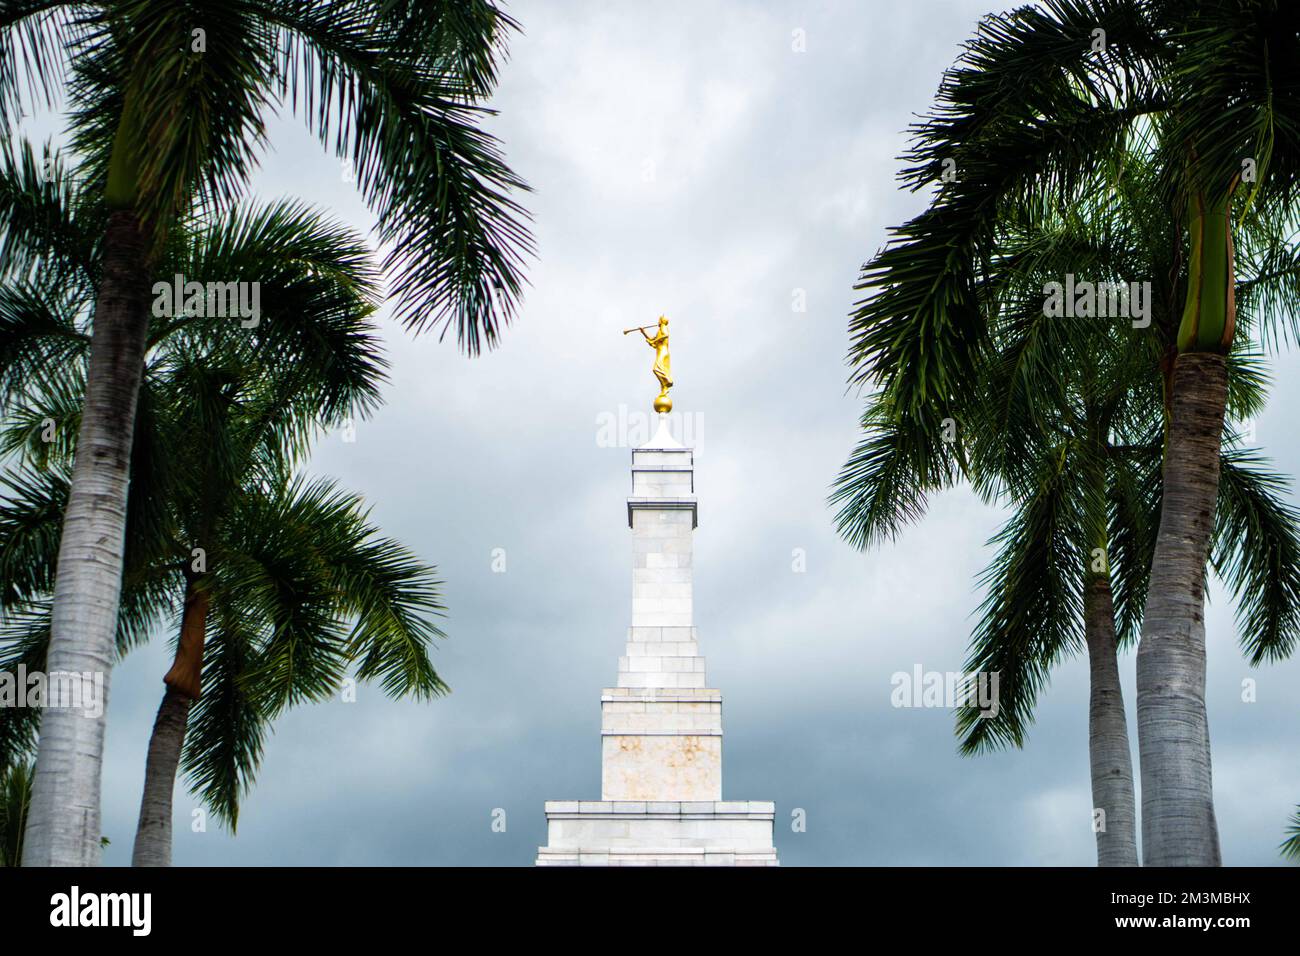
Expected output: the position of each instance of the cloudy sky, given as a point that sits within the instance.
(686, 159)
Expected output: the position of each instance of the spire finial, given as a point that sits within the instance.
(663, 367)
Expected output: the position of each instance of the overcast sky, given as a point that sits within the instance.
(687, 159)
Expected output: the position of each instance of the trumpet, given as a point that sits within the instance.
(641, 328)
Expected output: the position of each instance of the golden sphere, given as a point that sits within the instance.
(663, 404)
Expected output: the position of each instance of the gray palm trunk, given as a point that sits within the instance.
(63, 826)
(1178, 823)
(153, 835)
(1109, 758)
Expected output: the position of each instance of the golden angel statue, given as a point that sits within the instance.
(663, 367)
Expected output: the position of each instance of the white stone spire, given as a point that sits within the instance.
(661, 727)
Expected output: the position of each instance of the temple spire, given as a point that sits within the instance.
(661, 726)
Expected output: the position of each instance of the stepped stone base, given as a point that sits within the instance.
(658, 833)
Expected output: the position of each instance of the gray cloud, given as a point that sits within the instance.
(685, 161)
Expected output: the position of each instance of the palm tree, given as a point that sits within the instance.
(1051, 447)
(313, 362)
(1041, 99)
(15, 798)
(1072, 560)
(291, 579)
(293, 583)
(1065, 426)
(168, 105)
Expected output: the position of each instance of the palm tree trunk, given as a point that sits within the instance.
(1178, 823)
(63, 827)
(153, 835)
(1109, 758)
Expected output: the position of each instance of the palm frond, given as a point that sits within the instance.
(44, 419)
(31, 525)
(317, 290)
(313, 563)
(389, 96)
(223, 743)
(392, 596)
(1256, 552)
(15, 798)
(1027, 112)
(1135, 493)
(191, 119)
(48, 226)
(1030, 618)
(1235, 80)
(898, 462)
(34, 38)
(24, 642)
(1291, 845)
(39, 334)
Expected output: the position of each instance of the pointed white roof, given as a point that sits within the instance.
(663, 438)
